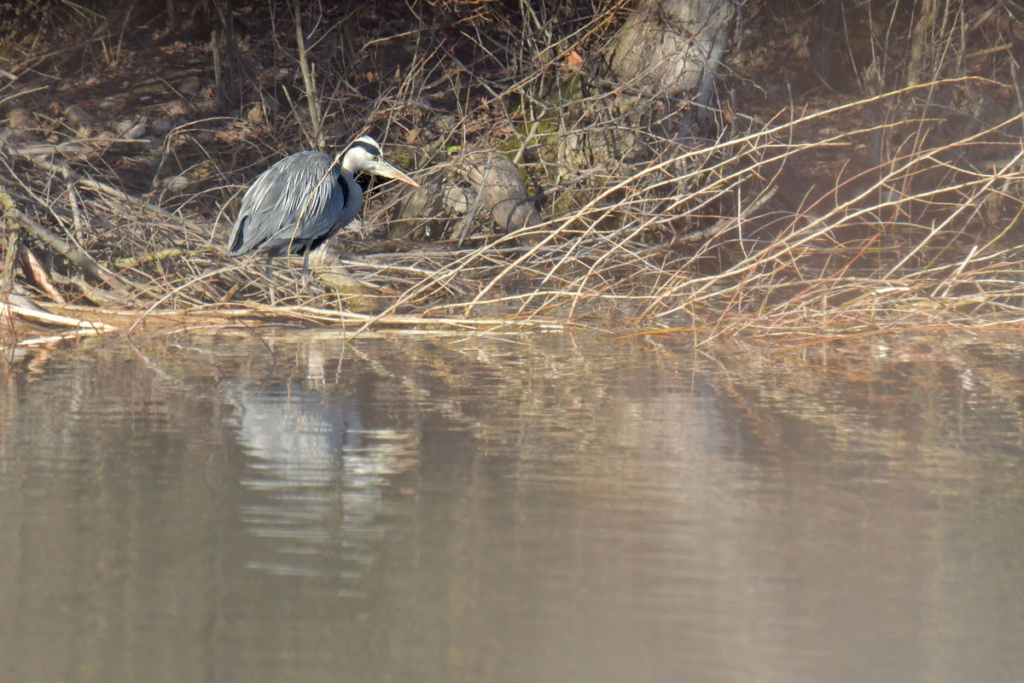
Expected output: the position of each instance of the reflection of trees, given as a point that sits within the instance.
(105, 490)
(497, 503)
(891, 397)
(884, 454)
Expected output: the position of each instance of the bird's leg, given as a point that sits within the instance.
(305, 270)
(270, 277)
(305, 267)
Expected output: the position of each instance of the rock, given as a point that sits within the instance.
(177, 183)
(161, 127)
(190, 86)
(456, 200)
(77, 117)
(445, 123)
(112, 102)
(502, 191)
(19, 120)
(135, 132)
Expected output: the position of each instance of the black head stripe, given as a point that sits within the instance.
(371, 149)
(344, 189)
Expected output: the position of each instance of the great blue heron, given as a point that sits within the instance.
(304, 199)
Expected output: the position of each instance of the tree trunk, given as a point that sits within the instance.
(672, 47)
(666, 51)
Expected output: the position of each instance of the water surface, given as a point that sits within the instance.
(529, 508)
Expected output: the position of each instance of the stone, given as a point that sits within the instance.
(190, 86)
(77, 117)
(161, 127)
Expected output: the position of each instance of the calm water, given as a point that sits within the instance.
(545, 508)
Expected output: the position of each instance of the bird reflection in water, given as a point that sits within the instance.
(318, 477)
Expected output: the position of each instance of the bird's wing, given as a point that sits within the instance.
(296, 200)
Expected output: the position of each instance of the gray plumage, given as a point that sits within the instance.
(305, 199)
(295, 205)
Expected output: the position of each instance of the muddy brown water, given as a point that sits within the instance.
(528, 508)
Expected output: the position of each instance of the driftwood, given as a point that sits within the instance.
(35, 314)
(69, 251)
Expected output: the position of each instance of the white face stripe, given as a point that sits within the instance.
(362, 156)
(371, 146)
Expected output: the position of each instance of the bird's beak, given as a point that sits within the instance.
(386, 170)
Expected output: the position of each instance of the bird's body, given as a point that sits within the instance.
(305, 199)
(295, 206)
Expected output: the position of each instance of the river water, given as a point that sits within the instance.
(511, 508)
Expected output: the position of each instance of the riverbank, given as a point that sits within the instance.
(812, 214)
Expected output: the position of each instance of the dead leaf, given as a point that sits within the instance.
(255, 114)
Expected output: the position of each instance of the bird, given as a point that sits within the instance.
(303, 200)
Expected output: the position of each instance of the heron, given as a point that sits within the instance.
(303, 200)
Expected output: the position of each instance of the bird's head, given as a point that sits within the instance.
(365, 156)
